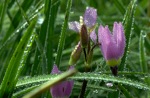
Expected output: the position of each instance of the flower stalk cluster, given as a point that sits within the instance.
(86, 29)
(112, 45)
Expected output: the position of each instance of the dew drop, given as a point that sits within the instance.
(109, 84)
(40, 20)
(95, 91)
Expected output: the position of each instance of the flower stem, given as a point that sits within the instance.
(84, 50)
(83, 89)
(84, 84)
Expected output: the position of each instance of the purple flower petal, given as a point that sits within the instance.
(71, 67)
(108, 45)
(55, 70)
(119, 37)
(57, 91)
(68, 88)
(62, 89)
(90, 16)
(93, 36)
(75, 26)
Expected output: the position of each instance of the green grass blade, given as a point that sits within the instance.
(45, 38)
(2, 14)
(81, 76)
(143, 62)
(121, 80)
(128, 26)
(41, 39)
(17, 18)
(50, 34)
(22, 12)
(9, 40)
(9, 79)
(63, 34)
(113, 94)
(24, 91)
(135, 26)
(119, 6)
(124, 91)
(45, 86)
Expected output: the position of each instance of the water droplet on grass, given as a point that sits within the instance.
(109, 84)
(95, 91)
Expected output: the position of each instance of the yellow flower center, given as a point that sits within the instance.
(113, 62)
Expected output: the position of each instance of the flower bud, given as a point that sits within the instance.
(84, 36)
(75, 55)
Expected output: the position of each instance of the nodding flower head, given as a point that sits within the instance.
(112, 44)
(62, 89)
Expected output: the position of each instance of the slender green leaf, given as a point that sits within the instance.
(122, 80)
(17, 18)
(2, 13)
(44, 41)
(45, 86)
(50, 34)
(24, 91)
(128, 26)
(143, 62)
(135, 26)
(81, 76)
(10, 77)
(125, 91)
(113, 94)
(119, 6)
(63, 34)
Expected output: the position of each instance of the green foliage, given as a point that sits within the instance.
(63, 33)
(34, 35)
(128, 22)
(15, 64)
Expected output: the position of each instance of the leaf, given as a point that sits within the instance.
(45, 38)
(2, 13)
(12, 32)
(63, 34)
(45, 86)
(50, 34)
(124, 91)
(32, 81)
(16, 19)
(104, 77)
(24, 91)
(14, 66)
(128, 22)
(143, 64)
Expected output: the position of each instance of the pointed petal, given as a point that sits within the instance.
(57, 91)
(90, 16)
(108, 46)
(68, 89)
(55, 70)
(71, 67)
(119, 37)
(75, 26)
(93, 36)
